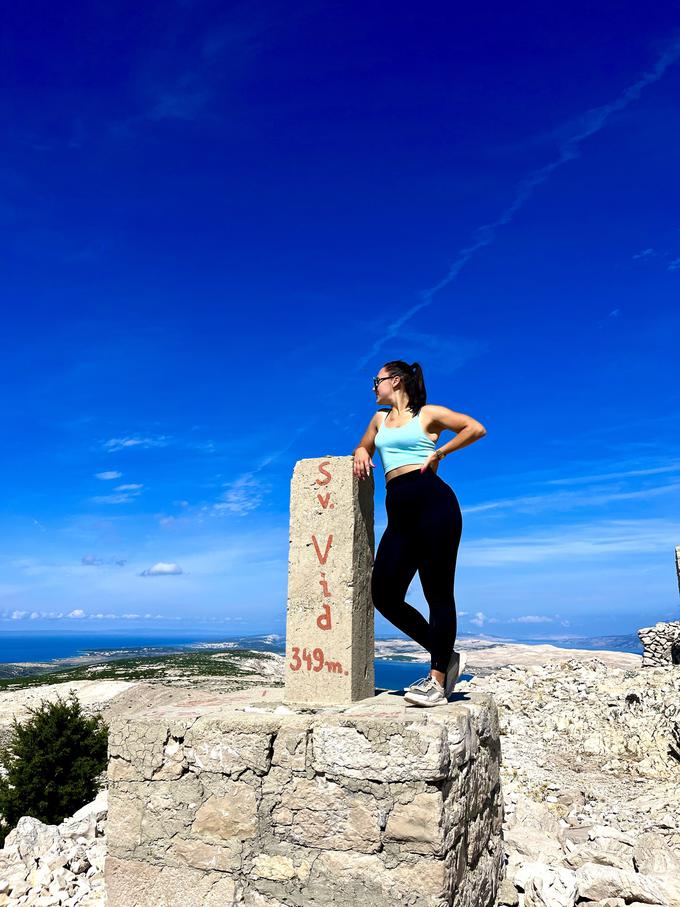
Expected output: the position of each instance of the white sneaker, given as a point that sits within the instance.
(429, 694)
(453, 671)
(417, 683)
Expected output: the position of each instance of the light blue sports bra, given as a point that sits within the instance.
(403, 445)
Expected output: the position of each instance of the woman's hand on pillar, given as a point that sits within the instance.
(362, 463)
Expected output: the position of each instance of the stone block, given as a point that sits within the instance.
(233, 815)
(136, 884)
(381, 750)
(319, 813)
(418, 824)
(207, 855)
(230, 749)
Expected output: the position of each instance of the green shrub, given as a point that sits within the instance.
(52, 764)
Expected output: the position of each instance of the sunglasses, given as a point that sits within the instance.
(376, 381)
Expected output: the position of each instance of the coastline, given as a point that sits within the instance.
(482, 651)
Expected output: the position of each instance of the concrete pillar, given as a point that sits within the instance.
(329, 628)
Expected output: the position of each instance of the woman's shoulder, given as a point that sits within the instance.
(434, 410)
(379, 417)
(430, 413)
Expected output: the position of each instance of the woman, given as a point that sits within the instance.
(424, 521)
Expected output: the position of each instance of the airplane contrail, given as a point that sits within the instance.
(591, 122)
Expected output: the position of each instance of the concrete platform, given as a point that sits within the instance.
(238, 798)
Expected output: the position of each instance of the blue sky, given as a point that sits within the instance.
(219, 221)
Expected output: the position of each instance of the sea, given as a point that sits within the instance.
(17, 647)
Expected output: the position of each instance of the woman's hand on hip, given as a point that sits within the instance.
(432, 463)
(362, 464)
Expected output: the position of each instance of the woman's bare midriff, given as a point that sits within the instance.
(400, 470)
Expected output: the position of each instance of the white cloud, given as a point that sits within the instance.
(114, 444)
(123, 494)
(567, 500)
(161, 569)
(120, 498)
(92, 560)
(243, 495)
(109, 474)
(531, 619)
(32, 615)
(646, 253)
(674, 265)
(607, 476)
(573, 543)
(82, 615)
(481, 618)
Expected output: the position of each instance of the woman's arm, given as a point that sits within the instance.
(467, 429)
(368, 440)
(364, 451)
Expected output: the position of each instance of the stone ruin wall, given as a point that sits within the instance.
(662, 641)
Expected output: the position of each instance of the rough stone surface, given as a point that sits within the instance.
(329, 629)
(243, 800)
(590, 779)
(56, 864)
(662, 644)
(662, 641)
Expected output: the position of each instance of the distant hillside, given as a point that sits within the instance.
(628, 642)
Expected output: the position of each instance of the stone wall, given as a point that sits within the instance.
(661, 644)
(662, 641)
(237, 799)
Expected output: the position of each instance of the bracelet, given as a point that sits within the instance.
(440, 454)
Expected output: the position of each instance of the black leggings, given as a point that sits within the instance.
(424, 525)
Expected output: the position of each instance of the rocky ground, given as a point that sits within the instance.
(51, 865)
(484, 655)
(590, 774)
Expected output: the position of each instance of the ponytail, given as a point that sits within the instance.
(413, 381)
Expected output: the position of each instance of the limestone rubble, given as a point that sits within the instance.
(62, 864)
(590, 776)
